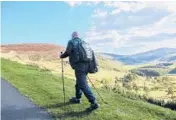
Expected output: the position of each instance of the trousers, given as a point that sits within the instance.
(82, 86)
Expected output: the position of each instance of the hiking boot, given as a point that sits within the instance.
(93, 107)
(75, 100)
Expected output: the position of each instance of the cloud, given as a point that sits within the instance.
(171, 43)
(127, 20)
(99, 39)
(165, 25)
(135, 26)
(127, 6)
(92, 3)
(137, 6)
(78, 3)
(73, 3)
(99, 13)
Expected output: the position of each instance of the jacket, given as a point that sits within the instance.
(72, 52)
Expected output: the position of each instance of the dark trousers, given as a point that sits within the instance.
(81, 83)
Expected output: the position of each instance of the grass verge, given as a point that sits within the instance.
(45, 90)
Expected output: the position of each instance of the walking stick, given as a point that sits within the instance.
(63, 79)
(96, 90)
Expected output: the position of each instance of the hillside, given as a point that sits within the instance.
(111, 72)
(34, 52)
(46, 56)
(152, 56)
(45, 89)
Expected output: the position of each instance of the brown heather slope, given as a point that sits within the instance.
(31, 47)
(33, 51)
(46, 56)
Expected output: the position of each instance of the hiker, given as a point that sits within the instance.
(81, 71)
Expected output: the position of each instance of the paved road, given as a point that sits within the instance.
(15, 106)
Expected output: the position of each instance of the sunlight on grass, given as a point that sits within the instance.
(45, 89)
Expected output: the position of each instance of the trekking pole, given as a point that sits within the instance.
(96, 90)
(63, 79)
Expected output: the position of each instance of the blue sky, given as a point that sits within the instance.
(41, 22)
(114, 27)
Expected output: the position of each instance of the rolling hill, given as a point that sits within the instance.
(111, 72)
(45, 90)
(153, 56)
(46, 56)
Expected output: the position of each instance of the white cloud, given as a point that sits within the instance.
(73, 3)
(110, 38)
(165, 25)
(86, 3)
(171, 43)
(127, 6)
(138, 36)
(111, 28)
(91, 3)
(99, 13)
(137, 6)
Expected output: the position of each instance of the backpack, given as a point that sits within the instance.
(93, 65)
(84, 51)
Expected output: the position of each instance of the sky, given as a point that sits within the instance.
(111, 27)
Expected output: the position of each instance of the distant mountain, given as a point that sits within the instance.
(157, 55)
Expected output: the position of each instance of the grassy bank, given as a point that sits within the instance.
(45, 90)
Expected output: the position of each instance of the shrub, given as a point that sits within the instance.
(36, 57)
(170, 91)
(130, 77)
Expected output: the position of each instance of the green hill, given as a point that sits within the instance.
(45, 90)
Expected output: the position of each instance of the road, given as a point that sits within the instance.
(15, 106)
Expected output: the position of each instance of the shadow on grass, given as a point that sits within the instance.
(68, 111)
(58, 105)
(72, 114)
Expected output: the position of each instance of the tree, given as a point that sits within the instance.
(170, 91)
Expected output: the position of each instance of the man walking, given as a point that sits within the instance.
(81, 71)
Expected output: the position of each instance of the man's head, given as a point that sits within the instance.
(75, 34)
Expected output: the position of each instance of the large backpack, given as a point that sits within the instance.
(84, 51)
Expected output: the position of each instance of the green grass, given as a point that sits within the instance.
(45, 90)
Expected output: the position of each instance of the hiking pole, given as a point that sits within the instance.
(96, 90)
(63, 79)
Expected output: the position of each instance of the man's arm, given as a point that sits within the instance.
(68, 50)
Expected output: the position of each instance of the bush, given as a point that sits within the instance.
(130, 77)
(36, 57)
(45, 69)
(33, 65)
(150, 71)
(170, 91)
(135, 87)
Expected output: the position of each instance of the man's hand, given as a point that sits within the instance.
(60, 54)
(63, 55)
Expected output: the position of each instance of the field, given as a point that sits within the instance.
(45, 89)
(158, 81)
